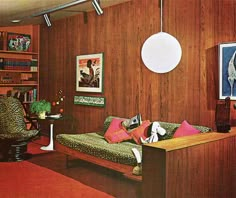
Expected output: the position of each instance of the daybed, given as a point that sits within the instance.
(93, 147)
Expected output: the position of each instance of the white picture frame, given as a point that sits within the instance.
(227, 70)
(89, 73)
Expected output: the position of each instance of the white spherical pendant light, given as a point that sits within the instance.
(161, 52)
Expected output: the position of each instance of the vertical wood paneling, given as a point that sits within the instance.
(188, 92)
(197, 166)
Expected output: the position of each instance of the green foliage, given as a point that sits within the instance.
(39, 106)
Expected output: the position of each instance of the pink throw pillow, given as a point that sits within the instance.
(140, 131)
(116, 132)
(185, 129)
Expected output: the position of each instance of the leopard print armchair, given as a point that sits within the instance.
(13, 131)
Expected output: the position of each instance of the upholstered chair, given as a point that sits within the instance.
(14, 135)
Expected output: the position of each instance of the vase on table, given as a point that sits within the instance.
(42, 115)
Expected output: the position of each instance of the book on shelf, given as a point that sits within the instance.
(34, 62)
(16, 64)
(28, 78)
(29, 82)
(30, 95)
(25, 94)
(33, 68)
(34, 65)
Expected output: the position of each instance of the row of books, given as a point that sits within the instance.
(28, 96)
(18, 64)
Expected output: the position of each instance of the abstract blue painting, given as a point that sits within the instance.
(227, 70)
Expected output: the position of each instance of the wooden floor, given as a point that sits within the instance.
(89, 174)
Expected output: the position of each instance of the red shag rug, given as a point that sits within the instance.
(24, 179)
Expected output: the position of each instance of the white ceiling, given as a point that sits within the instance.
(26, 9)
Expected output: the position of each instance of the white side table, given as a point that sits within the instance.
(51, 119)
(50, 147)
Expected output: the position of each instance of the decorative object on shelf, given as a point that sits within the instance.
(90, 101)
(18, 42)
(227, 70)
(222, 115)
(40, 107)
(161, 52)
(89, 73)
(57, 103)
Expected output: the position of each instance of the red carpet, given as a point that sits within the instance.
(27, 180)
(34, 146)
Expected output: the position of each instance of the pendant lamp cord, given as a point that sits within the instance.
(161, 16)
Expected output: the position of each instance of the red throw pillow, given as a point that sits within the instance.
(115, 132)
(140, 131)
(185, 129)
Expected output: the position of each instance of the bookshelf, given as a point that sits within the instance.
(19, 69)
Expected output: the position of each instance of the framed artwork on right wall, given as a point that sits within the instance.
(227, 70)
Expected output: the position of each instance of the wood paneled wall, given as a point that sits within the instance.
(188, 92)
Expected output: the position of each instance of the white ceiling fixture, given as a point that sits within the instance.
(96, 5)
(47, 20)
(161, 52)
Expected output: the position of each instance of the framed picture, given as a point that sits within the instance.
(89, 73)
(18, 42)
(227, 70)
(90, 101)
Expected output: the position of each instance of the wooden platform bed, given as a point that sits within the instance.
(93, 147)
(124, 169)
(202, 165)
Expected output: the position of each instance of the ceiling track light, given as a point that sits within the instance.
(97, 7)
(60, 7)
(47, 20)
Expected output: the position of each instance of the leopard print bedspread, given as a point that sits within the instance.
(96, 145)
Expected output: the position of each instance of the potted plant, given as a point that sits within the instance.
(40, 108)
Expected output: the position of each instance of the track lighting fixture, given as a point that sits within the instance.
(97, 7)
(47, 20)
(60, 7)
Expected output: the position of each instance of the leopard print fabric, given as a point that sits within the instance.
(12, 125)
(95, 144)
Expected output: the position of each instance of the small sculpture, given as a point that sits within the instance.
(153, 131)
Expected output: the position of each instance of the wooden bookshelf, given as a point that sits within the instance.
(19, 70)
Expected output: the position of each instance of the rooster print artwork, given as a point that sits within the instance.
(89, 77)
